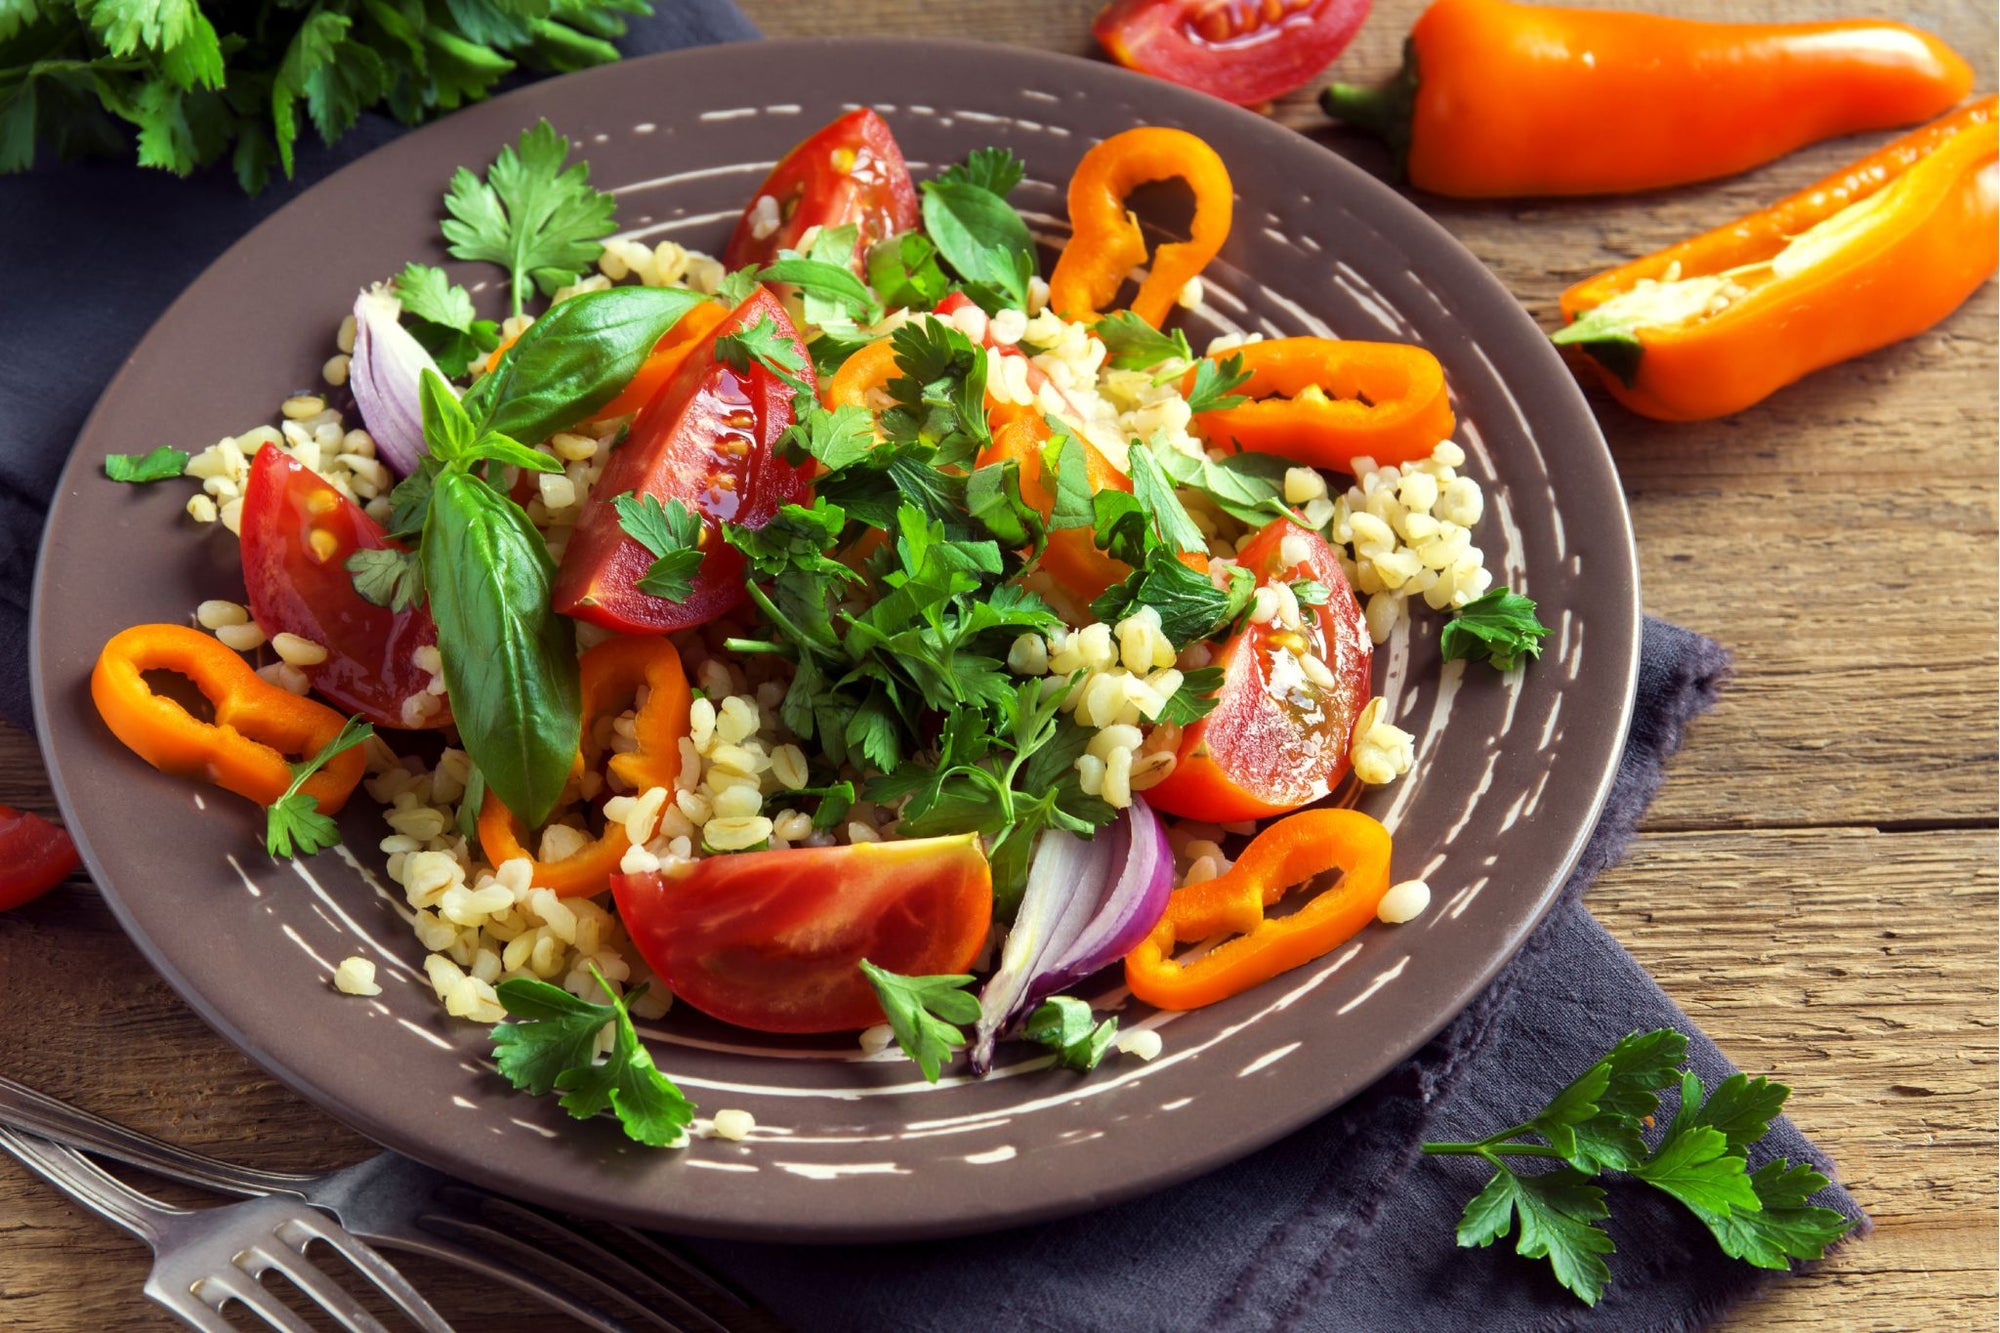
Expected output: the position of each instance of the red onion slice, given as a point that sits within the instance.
(1087, 903)
(384, 374)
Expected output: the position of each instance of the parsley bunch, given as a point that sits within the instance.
(200, 83)
(555, 1050)
(1596, 1124)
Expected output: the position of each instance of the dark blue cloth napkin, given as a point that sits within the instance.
(1343, 1225)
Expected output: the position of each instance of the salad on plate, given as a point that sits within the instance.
(861, 631)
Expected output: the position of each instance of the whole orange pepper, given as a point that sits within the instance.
(667, 355)
(1287, 853)
(257, 724)
(1105, 242)
(1071, 556)
(1499, 99)
(611, 674)
(1328, 401)
(1905, 235)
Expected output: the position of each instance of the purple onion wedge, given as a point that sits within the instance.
(384, 374)
(1087, 903)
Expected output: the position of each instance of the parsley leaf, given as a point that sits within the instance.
(797, 537)
(1073, 506)
(672, 532)
(1213, 382)
(981, 236)
(1154, 491)
(830, 290)
(1195, 699)
(387, 577)
(556, 1051)
(1498, 627)
(530, 216)
(763, 342)
(833, 437)
(162, 464)
(1066, 1026)
(924, 1013)
(439, 315)
(904, 272)
(735, 288)
(1597, 1124)
(993, 169)
(294, 825)
(1133, 344)
(1249, 487)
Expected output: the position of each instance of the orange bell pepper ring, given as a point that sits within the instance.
(612, 674)
(1329, 401)
(870, 367)
(257, 724)
(666, 357)
(1289, 852)
(1106, 243)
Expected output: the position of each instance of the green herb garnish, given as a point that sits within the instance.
(1066, 1026)
(531, 216)
(294, 824)
(556, 1051)
(1498, 627)
(672, 532)
(162, 464)
(925, 1013)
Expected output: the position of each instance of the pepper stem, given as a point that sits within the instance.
(1385, 111)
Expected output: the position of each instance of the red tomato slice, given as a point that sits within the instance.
(298, 533)
(35, 856)
(774, 940)
(851, 171)
(1243, 51)
(706, 440)
(1276, 740)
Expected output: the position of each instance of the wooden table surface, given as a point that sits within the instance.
(1815, 885)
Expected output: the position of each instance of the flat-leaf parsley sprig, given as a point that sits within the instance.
(1596, 1124)
(294, 825)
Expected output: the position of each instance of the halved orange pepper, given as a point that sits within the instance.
(612, 673)
(258, 732)
(1329, 401)
(1105, 242)
(1874, 253)
(1071, 556)
(666, 357)
(1287, 853)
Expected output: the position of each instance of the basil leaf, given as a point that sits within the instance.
(575, 359)
(1249, 487)
(509, 660)
(830, 283)
(980, 236)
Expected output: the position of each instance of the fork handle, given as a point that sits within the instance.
(24, 1108)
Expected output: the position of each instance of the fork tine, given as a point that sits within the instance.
(235, 1284)
(667, 1254)
(621, 1267)
(503, 1242)
(329, 1295)
(392, 1284)
(186, 1307)
(431, 1242)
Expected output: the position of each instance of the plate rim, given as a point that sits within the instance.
(323, 1093)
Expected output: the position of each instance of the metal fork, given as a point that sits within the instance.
(392, 1201)
(205, 1258)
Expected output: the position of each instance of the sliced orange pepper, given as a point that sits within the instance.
(1071, 556)
(1329, 401)
(1919, 240)
(258, 731)
(1105, 242)
(1289, 852)
(871, 367)
(612, 673)
(667, 355)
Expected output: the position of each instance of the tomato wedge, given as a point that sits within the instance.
(706, 439)
(1277, 739)
(1243, 51)
(35, 856)
(850, 171)
(774, 940)
(298, 532)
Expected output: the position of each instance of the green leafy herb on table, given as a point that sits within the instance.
(538, 220)
(555, 1050)
(1498, 627)
(925, 1013)
(1597, 1124)
(162, 464)
(294, 824)
(187, 84)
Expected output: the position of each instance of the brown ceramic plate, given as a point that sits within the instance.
(1510, 774)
